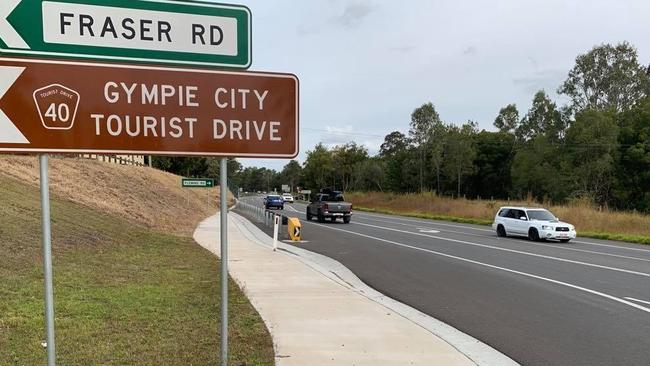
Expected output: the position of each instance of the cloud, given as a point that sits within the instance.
(353, 14)
(470, 51)
(548, 80)
(308, 30)
(403, 49)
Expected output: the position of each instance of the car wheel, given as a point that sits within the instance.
(321, 217)
(308, 215)
(333, 219)
(564, 240)
(346, 219)
(501, 231)
(533, 235)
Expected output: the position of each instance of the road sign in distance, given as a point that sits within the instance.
(75, 107)
(158, 31)
(197, 183)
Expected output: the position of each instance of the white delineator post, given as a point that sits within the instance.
(276, 229)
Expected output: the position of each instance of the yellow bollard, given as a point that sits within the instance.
(295, 229)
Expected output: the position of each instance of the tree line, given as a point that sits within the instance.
(596, 147)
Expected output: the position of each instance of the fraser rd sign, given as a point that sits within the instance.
(76, 107)
(158, 31)
(197, 183)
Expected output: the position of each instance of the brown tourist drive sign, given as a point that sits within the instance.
(76, 107)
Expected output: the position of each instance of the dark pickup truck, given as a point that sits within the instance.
(329, 205)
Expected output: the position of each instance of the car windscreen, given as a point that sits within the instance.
(273, 198)
(541, 215)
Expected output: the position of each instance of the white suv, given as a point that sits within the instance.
(535, 223)
(287, 197)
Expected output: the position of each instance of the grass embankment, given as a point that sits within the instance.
(129, 289)
(589, 220)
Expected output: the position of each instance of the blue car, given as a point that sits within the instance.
(273, 201)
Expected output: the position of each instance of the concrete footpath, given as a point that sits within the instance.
(314, 317)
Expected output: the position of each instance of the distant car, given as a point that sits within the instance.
(287, 197)
(535, 223)
(273, 201)
(329, 205)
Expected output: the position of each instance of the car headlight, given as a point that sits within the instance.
(571, 227)
(546, 227)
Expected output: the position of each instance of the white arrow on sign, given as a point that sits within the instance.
(7, 32)
(9, 134)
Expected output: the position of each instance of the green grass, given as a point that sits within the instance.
(637, 239)
(124, 295)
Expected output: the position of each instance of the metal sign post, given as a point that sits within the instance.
(47, 260)
(223, 191)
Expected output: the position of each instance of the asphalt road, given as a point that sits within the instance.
(582, 303)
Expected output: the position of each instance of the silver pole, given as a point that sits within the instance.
(47, 260)
(224, 261)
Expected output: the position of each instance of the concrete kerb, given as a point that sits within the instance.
(477, 351)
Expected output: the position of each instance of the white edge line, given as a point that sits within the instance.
(593, 292)
(637, 300)
(513, 251)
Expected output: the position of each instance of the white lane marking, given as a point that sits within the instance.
(611, 246)
(518, 241)
(566, 284)
(513, 251)
(637, 300)
(423, 221)
(430, 231)
(293, 209)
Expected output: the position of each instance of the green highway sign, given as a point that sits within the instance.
(197, 183)
(153, 31)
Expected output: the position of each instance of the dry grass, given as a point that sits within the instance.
(141, 195)
(586, 217)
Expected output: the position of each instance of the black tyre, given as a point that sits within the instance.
(309, 216)
(501, 231)
(533, 235)
(564, 240)
(347, 219)
(321, 217)
(333, 219)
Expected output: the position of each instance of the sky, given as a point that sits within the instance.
(364, 66)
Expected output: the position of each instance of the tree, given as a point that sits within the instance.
(494, 154)
(437, 142)
(394, 143)
(607, 77)
(345, 158)
(632, 187)
(592, 150)
(423, 121)
(460, 152)
(543, 118)
(292, 173)
(370, 174)
(508, 119)
(318, 170)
